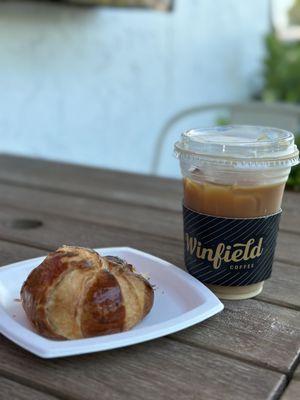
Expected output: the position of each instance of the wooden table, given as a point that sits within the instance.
(249, 351)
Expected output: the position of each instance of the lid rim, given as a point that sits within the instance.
(238, 144)
(287, 134)
(183, 151)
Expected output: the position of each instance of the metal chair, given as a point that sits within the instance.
(279, 115)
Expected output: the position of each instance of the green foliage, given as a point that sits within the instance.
(222, 121)
(282, 82)
(294, 13)
(281, 71)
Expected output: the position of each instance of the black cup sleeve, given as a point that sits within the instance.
(229, 251)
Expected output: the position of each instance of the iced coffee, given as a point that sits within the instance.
(234, 179)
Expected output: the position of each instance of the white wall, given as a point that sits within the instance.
(95, 85)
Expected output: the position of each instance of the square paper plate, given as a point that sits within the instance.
(180, 301)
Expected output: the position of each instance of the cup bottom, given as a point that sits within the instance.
(237, 292)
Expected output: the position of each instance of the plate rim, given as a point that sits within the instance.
(47, 348)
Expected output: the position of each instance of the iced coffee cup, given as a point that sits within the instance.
(234, 178)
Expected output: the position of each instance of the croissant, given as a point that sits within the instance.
(75, 293)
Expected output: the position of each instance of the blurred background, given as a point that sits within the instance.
(113, 86)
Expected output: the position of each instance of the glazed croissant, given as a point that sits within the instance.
(76, 293)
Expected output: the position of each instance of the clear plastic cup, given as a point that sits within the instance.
(238, 174)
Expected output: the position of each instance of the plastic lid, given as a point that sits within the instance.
(239, 146)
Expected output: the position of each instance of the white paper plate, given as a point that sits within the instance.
(180, 301)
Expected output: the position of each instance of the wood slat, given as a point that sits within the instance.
(102, 184)
(104, 212)
(10, 389)
(161, 369)
(137, 217)
(11, 252)
(54, 232)
(291, 200)
(152, 221)
(112, 208)
(70, 377)
(58, 230)
(283, 287)
(256, 331)
(164, 193)
(288, 249)
(92, 182)
(293, 390)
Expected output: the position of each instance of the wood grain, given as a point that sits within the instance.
(288, 249)
(103, 212)
(297, 372)
(111, 186)
(242, 353)
(292, 392)
(95, 183)
(283, 287)
(58, 230)
(90, 182)
(10, 389)
(161, 369)
(138, 218)
(252, 330)
(11, 252)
